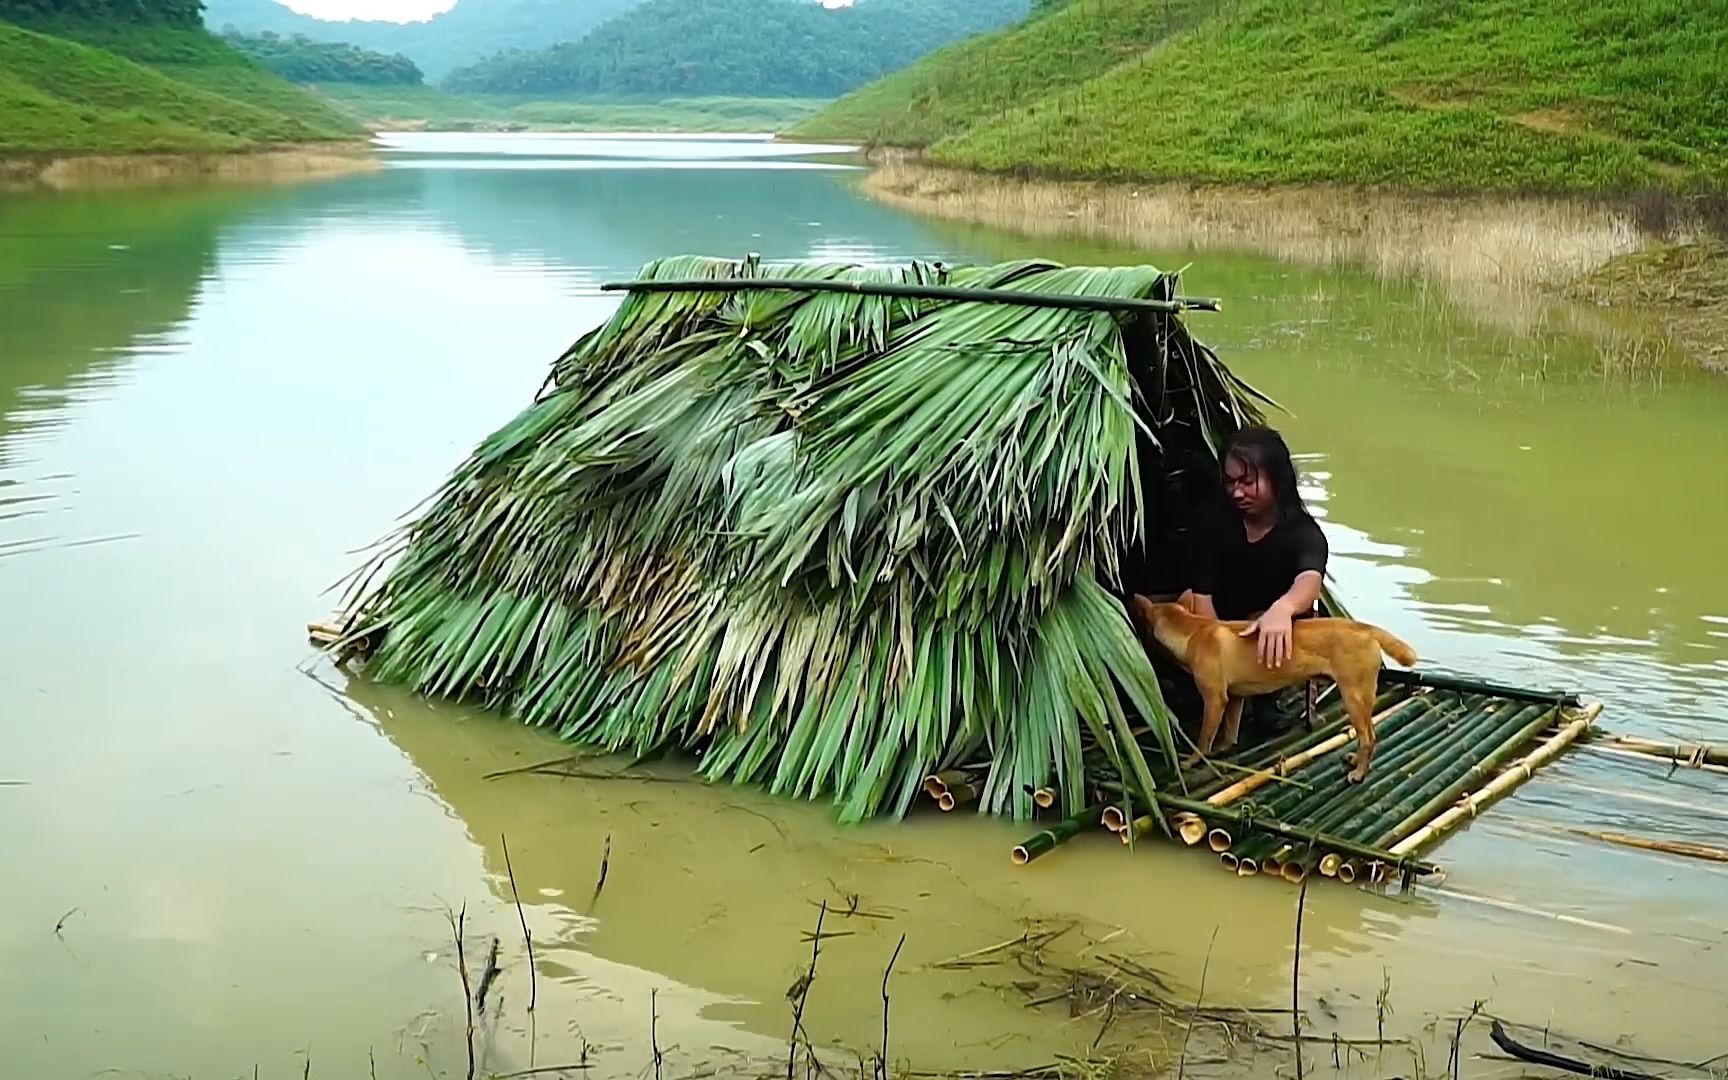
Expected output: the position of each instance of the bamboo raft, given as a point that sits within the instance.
(1449, 748)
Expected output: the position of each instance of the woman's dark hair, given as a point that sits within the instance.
(1262, 450)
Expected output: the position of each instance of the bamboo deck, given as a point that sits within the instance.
(1448, 748)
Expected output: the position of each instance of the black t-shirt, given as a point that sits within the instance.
(1244, 579)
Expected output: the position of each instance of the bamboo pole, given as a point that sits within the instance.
(1115, 818)
(1413, 706)
(1651, 759)
(1667, 847)
(1461, 684)
(1045, 840)
(920, 292)
(1520, 771)
(1684, 753)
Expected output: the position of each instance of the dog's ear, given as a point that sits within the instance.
(1140, 611)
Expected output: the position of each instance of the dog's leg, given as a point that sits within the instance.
(1232, 723)
(1216, 701)
(1359, 706)
(1308, 695)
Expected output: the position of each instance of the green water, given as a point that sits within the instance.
(210, 398)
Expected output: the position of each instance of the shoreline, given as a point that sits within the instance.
(56, 171)
(1506, 257)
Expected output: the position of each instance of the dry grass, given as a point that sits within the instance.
(76, 171)
(1504, 259)
(1686, 285)
(1492, 240)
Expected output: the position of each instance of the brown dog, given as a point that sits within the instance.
(1227, 668)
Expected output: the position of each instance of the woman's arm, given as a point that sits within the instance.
(1299, 599)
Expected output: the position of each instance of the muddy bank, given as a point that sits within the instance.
(70, 171)
(1507, 258)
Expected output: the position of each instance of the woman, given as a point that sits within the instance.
(1264, 557)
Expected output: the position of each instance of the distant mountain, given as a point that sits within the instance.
(467, 32)
(790, 48)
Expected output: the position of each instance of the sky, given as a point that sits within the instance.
(395, 10)
(400, 10)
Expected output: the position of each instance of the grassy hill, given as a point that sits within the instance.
(175, 90)
(783, 48)
(1582, 95)
(960, 86)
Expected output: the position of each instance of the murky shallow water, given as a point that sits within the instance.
(210, 398)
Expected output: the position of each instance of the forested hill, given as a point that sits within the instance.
(1549, 95)
(182, 13)
(470, 30)
(137, 76)
(796, 48)
(302, 60)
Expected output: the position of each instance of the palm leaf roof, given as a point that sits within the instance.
(828, 542)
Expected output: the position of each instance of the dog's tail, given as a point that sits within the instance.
(1394, 646)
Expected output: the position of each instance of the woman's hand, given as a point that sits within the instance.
(1274, 630)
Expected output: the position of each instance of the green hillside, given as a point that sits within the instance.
(788, 48)
(182, 92)
(299, 59)
(1588, 95)
(959, 86)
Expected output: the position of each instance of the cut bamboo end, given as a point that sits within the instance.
(1044, 798)
(1228, 861)
(1331, 863)
(1136, 829)
(1347, 873)
(1020, 856)
(957, 795)
(1518, 772)
(1293, 872)
(1218, 840)
(1273, 867)
(1114, 819)
(1247, 867)
(1190, 827)
(1377, 872)
(937, 783)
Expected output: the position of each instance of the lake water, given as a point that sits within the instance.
(221, 853)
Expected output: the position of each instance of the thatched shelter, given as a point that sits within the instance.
(830, 542)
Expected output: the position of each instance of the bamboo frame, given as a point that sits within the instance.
(921, 292)
(1520, 771)
(1290, 764)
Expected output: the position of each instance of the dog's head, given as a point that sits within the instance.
(1153, 616)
